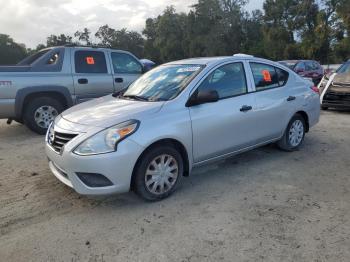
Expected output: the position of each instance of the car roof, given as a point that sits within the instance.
(218, 59)
(296, 61)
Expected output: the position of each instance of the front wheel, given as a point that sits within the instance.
(40, 112)
(158, 173)
(294, 134)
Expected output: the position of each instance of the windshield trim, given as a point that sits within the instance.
(342, 66)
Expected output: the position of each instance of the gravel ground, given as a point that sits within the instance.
(264, 205)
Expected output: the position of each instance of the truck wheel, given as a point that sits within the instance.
(40, 112)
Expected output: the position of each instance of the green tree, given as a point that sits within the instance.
(58, 40)
(83, 36)
(10, 51)
(121, 39)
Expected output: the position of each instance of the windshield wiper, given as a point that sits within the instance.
(135, 97)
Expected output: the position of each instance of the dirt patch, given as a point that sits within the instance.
(264, 205)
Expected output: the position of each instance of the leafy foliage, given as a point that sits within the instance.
(284, 29)
(10, 52)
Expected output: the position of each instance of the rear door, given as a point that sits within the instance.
(91, 75)
(125, 68)
(275, 101)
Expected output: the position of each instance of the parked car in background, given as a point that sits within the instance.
(335, 88)
(178, 116)
(43, 85)
(148, 64)
(306, 68)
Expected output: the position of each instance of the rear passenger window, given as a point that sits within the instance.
(267, 76)
(228, 80)
(90, 62)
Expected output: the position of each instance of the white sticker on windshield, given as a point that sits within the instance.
(188, 69)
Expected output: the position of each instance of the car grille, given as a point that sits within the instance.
(340, 84)
(336, 96)
(57, 140)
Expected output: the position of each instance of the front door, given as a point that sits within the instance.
(126, 69)
(92, 78)
(228, 124)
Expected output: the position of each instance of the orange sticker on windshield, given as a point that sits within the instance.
(90, 60)
(267, 76)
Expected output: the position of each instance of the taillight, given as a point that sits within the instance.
(315, 89)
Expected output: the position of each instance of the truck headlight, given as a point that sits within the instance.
(107, 140)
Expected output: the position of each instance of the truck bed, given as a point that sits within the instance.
(14, 68)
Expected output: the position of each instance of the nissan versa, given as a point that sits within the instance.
(178, 116)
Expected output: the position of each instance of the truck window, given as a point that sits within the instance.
(124, 63)
(90, 62)
(53, 59)
(32, 58)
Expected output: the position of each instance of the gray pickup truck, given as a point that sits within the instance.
(41, 86)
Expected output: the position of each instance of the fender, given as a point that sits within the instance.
(24, 92)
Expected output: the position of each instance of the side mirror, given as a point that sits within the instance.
(144, 69)
(203, 97)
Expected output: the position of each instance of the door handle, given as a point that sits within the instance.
(119, 80)
(245, 108)
(291, 98)
(83, 81)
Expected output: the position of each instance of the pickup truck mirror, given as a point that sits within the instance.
(203, 97)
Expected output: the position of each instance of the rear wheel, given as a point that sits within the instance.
(294, 134)
(158, 173)
(40, 112)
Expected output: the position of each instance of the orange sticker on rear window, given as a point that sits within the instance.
(90, 60)
(267, 76)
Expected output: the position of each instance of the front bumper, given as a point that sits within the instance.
(336, 100)
(7, 108)
(116, 167)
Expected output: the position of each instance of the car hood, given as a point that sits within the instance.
(342, 78)
(108, 111)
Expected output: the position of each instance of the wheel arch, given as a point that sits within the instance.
(165, 141)
(25, 95)
(306, 118)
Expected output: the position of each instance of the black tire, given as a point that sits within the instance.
(139, 183)
(324, 107)
(33, 105)
(285, 143)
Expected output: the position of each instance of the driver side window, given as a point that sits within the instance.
(228, 80)
(124, 63)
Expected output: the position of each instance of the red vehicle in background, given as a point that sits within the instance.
(306, 68)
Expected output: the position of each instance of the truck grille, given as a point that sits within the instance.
(57, 140)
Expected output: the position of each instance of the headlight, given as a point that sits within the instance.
(107, 140)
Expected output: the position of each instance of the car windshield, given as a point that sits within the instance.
(288, 64)
(345, 68)
(162, 83)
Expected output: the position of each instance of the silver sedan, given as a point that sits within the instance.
(178, 116)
